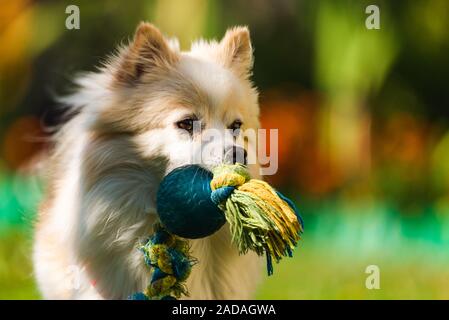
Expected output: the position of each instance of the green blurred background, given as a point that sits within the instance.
(363, 119)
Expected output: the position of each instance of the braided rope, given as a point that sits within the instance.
(169, 258)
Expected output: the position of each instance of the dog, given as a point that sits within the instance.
(132, 124)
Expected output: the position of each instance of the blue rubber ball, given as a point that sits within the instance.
(184, 204)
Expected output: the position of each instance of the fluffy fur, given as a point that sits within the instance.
(110, 157)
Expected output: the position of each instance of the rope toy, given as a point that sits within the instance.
(169, 259)
(194, 203)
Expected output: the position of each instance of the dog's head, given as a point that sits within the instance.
(187, 107)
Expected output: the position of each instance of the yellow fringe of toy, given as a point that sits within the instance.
(260, 219)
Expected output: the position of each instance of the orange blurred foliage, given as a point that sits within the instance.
(15, 58)
(404, 139)
(301, 162)
(23, 140)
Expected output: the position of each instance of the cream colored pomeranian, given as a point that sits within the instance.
(132, 125)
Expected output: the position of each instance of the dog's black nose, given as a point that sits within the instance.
(236, 154)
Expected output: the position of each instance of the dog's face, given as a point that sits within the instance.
(187, 107)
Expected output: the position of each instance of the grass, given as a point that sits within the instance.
(341, 239)
(316, 273)
(16, 278)
(320, 269)
(339, 244)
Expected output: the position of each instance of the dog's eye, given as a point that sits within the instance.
(235, 126)
(186, 124)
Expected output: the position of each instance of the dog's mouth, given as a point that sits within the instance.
(231, 155)
(235, 154)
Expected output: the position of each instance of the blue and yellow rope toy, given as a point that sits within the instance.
(194, 203)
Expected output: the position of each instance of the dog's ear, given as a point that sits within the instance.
(237, 50)
(148, 52)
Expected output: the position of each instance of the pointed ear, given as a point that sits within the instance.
(237, 50)
(148, 52)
